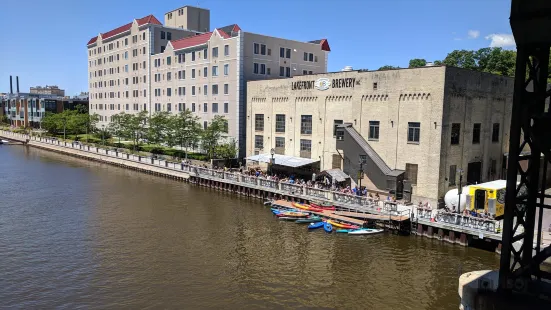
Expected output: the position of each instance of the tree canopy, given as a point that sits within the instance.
(417, 62)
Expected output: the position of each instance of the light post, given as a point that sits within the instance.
(102, 135)
(361, 172)
(459, 189)
(272, 152)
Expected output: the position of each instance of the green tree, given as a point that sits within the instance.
(116, 125)
(211, 136)
(158, 127)
(417, 62)
(227, 150)
(388, 67)
(134, 127)
(462, 59)
(52, 122)
(185, 129)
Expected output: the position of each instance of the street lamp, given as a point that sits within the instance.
(102, 134)
(459, 190)
(272, 152)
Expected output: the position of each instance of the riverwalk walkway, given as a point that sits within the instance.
(424, 219)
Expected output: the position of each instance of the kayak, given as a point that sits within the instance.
(311, 219)
(344, 230)
(316, 225)
(342, 225)
(306, 207)
(322, 205)
(293, 214)
(287, 218)
(327, 227)
(365, 231)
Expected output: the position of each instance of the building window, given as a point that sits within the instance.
(226, 107)
(258, 142)
(168, 107)
(226, 89)
(193, 107)
(169, 92)
(204, 54)
(205, 107)
(305, 145)
(262, 49)
(256, 48)
(280, 123)
(192, 73)
(214, 70)
(280, 142)
(306, 124)
(453, 170)
(193, 90)
(162, 49)
(226, 50)
(374, 130)
(304, 72)
(262, 68)
(493, 168)
(281, 71)
(414, 132)
(311, 57)
(163, 35)
(215, 52)
(205, 71)
(259, 122)
(226, 69)
(305, 56)
(168, 61)
(411, 173)
(495, 132)
(214, 107)
(215, 89)
(375, 86)
(288, 71)
(255, 68)
(192, 56)
(205, 90)
(168, 76)
(336, 123)
(282, 52)
(456, 133)
(476, 133)
(288, 53)
(205, 125)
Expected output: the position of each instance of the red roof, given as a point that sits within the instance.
(196, 40)
(325, 45)
(149, 19)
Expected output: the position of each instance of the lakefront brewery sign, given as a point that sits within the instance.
(324, 84)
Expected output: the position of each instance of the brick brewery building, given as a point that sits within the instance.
(417, 125)
(147, 66)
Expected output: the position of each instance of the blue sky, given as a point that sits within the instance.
(44, 42)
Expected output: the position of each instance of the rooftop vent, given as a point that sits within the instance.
(347, 68)
(429, 64)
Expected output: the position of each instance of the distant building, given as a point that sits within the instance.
(48, 90)
(27, 110)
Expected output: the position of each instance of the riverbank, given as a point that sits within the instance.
(471, 231)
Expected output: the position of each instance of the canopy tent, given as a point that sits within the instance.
(282, 160)
(335, 174)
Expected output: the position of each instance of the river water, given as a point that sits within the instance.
(81, 234)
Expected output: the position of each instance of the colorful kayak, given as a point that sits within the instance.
(345, 231)
(287, 218)
(342, 225)
(293, 214)
(316, 225)
(310, 219)
(306, 207)
(365, 231)
(327, 227)
(322, 205)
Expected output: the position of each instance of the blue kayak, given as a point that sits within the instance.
(316, 225)
(327, 227)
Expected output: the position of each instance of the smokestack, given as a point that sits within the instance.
(11, 86)
(17, 83)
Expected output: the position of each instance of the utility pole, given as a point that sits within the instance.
(459, 189)
(361, 173)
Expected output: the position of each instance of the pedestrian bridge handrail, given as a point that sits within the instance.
(467, 221)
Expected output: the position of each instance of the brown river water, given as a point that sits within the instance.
(78, 234)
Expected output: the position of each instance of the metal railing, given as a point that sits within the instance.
(348, 201)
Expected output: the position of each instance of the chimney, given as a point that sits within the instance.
(11, 86)
(17, 83)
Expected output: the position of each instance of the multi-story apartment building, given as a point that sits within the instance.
(147, 66)
(47, 90)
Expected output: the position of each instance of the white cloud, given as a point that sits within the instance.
(501, 40)
(473, 34)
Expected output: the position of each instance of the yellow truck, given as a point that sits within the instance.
(489, 196)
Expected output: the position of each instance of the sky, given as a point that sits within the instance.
(44, 42)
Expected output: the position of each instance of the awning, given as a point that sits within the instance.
(335, 174)
(282, 160)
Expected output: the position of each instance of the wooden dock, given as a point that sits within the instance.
(346, 217)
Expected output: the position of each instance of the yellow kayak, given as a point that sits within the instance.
(300, 206)
(340, 225)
